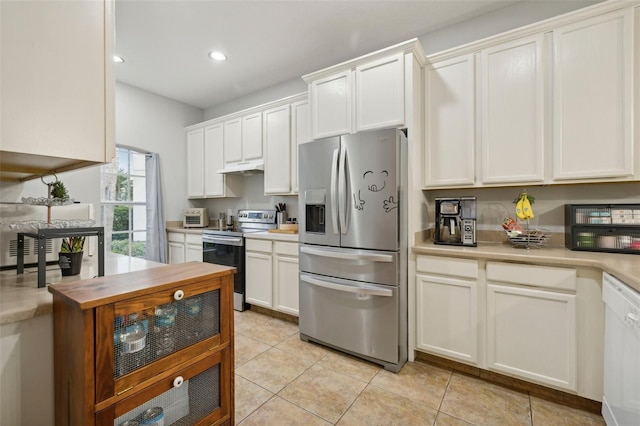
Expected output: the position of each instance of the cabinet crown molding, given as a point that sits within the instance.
(546, 25)
(409, 46)
(259, 108)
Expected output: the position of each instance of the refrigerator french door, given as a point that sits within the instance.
(353, 247)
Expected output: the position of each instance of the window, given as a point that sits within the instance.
(124, 209)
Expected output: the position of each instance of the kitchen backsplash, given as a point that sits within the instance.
(252, 198)
(494, 204)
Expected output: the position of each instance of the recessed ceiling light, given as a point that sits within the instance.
(117, 59)
(217, 56)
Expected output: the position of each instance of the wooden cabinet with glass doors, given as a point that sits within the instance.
(147, 346)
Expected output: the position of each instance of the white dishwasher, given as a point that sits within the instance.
(621, 401)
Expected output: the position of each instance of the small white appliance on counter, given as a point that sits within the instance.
(19, 212)
(621, 401)
(195, 217)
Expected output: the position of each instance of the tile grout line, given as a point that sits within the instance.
(530, 408)
(359, 394)
(443, 395)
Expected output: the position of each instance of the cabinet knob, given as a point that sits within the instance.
(178, 295)
(178, 381)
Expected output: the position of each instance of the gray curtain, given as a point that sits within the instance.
(156, 235)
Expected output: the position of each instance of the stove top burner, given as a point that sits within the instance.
(248, 221)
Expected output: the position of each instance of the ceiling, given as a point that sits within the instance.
(165, 43)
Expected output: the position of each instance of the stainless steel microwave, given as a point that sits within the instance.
(195, 218)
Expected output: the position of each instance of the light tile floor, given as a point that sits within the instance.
(281, 380)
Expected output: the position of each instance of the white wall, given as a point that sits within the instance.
(144, 121)
(153, 123)
(252, 198)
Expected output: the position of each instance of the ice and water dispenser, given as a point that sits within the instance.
(315, 200)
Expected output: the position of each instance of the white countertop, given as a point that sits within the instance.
(625, 267)
(20, 297)
(275, 236)
(264, 235)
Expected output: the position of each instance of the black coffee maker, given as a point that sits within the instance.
(456, 221)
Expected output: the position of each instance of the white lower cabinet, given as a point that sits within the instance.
(285, 277)
(176, 246)
(184, 247)
(259, 272)
(448, 308)
(193, 248)
(517, 319)
(531, 323)
(272, 275)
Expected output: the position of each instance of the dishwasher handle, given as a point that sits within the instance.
(346, 288)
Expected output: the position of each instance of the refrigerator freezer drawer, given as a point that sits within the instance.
(378, 267)
(356, 317)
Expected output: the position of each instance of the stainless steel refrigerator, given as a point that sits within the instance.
(353, 245)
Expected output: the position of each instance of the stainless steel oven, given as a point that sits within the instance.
(227, 247)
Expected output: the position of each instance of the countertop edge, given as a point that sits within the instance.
(274, 236)
(625, 267)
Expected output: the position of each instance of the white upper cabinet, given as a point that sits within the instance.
(233, 140)
(252, 136)
(284, 127)
(243, 139)
(277, 139)
(300, 133)
(512, 111)
(380, 94)
(331, 105)
(204, 159)
(214, 160)
(449, 154)
(57, 98)
(217, 185)
(554, 104)
(365, 93)
(593, 91)
(195, 163)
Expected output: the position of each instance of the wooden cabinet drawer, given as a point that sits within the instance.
(189, 395)
(290, 249)
(532, 275)
(259, 245)
(464, 268)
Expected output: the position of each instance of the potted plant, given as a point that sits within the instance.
(70, 255)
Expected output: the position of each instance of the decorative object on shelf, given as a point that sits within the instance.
(523, 203)
(57, 195)
(58, 190)
(524, 237)
(35, 225)
(70, 255)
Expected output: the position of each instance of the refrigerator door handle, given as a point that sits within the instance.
(342, 189)
(372, 257)
(345, 288)
(334, 175)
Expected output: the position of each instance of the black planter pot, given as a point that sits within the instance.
(70, 263)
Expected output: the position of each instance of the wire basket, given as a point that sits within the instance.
(535, 238)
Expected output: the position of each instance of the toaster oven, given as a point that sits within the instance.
(195, 218)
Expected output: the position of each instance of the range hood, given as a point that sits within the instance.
(244, 168)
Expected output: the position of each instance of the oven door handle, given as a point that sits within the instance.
(217, 239)
(346, 288)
